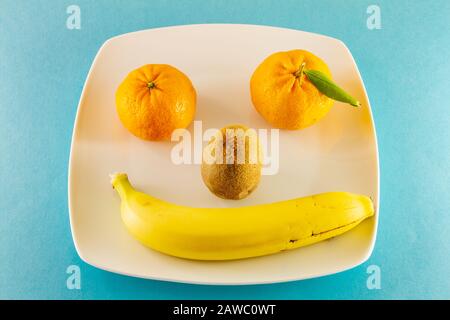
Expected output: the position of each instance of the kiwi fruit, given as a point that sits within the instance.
(235, 171)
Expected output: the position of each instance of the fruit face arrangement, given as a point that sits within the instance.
(291, 90)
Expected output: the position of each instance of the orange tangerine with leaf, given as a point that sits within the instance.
(294, 89)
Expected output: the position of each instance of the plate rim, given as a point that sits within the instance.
(224, 283)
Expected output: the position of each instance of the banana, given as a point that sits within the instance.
(235, 233)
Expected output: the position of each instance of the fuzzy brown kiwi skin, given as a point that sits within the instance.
(231, 181)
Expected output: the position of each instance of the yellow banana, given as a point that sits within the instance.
(235, 233)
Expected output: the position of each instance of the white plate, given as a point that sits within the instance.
(338, 153)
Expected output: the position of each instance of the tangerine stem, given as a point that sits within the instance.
(151, 85)
(299, 73)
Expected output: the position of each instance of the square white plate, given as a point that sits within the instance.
(338, 153)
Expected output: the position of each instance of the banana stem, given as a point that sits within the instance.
(120, 182)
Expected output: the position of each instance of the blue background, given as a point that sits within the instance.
(405, 66)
